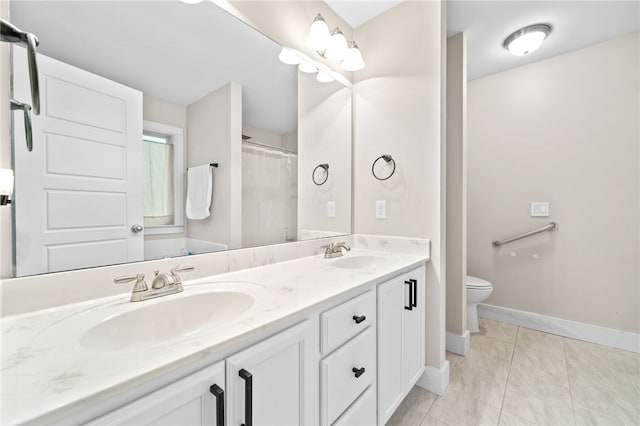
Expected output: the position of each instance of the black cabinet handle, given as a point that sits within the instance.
(248, 396)
(359, 319)
(415, 293)
(358, 371)
(410, 307)
(219, 394)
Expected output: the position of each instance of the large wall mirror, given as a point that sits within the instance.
(151, 108)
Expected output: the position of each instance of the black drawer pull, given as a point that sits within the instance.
(248, 396)
(358, 371)
(219, 394)
(410, 307)
(359, 319)
(415, 293)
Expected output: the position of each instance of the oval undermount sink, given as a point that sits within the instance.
(166, 320)
(358, 262)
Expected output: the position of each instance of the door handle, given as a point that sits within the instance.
(137, 228)
(410, 307)
(415, 293)
(248, 396)
(219, 394)
(26, 110)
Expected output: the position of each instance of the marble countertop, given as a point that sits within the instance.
(48, 372)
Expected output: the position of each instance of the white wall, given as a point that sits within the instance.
(456, 193)
(563, 130)
(324, 133)
(397, 110)
(214, 129)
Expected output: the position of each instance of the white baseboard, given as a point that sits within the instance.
(458, 344)
(434, 379)
(620, 339)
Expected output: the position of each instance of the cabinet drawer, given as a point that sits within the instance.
(362, 412)
(339, 323)
(339, 385)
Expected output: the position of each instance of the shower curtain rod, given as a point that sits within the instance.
(277, 148)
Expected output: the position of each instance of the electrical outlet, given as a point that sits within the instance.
(381, 209)
(331, 209)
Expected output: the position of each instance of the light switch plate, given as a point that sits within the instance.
(331, 209)
(381, 209)
(540, 208)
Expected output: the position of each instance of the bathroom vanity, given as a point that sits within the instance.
(307, 341)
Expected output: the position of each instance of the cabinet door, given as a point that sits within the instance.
(413, 345)
(187, 402)
(274, 375)
(391, 301)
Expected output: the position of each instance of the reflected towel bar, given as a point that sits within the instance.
(212, 165)
(552, 226)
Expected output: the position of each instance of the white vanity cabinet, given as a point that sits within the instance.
(401, 346)
(269, 383)
(348, 371)
(197, 399)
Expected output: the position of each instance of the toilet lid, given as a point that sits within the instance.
(475, 282)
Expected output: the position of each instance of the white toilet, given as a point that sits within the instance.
(477, 291)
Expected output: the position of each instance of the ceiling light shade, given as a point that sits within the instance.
(337, 49)
(286, 56)
(323, 77)
(307, 68)
(353, 60)
(318, 37)
(527, 39)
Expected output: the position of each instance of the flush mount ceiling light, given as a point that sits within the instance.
(527, 39)
(334, 45)
(307, 68)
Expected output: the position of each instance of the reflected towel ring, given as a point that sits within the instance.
(388, 158)
(324, 166)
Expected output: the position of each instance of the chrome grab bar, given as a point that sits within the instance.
(552, 226)
(10, 34)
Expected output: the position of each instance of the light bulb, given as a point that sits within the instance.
(337, 49)
(286, 56)
(318, 37)
(307, 68)
(527, 39)
(353, 60)
(323, 77)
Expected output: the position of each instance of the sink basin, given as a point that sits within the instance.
(359, 262)
(167, 319)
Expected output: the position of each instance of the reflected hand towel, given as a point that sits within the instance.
(199, 190)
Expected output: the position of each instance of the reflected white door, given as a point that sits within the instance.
(79, 192)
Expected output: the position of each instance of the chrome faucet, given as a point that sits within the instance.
(163, 284)
(334, 250)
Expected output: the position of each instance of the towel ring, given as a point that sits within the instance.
(388, 158)
(324, 166)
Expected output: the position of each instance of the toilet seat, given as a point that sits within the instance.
(475, 283)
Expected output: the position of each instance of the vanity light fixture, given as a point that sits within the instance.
(286, 56)
(333, 45)
(307, 68)
(6, 186)
(527, 39)
(353, 60)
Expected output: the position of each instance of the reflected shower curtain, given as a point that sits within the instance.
(269, 195)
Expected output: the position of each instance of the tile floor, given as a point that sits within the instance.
(517, 376)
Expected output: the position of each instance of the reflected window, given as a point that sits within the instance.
(162, 148)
